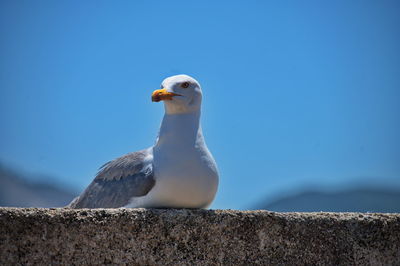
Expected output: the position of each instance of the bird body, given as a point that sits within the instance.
(177, 172)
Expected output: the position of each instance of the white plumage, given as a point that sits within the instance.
(177, 172)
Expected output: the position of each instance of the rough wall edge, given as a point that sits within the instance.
(171, 236)
(288, 215)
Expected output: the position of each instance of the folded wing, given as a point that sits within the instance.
(119, 181)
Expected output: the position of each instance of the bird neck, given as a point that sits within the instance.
(180, 130)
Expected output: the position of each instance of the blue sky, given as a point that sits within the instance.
(296, 94)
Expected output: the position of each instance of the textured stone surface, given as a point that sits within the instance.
(200, 237)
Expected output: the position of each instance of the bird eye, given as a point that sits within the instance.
(185, 85)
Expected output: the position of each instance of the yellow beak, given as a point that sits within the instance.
(161, 95)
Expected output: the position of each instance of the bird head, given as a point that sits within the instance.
(180, 93)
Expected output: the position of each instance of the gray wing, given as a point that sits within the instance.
(117, 182)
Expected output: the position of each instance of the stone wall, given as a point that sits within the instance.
(196, 237)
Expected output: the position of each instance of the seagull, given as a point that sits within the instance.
(177, 172)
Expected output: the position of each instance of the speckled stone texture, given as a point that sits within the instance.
(196, 237)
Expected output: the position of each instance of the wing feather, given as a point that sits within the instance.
(118, 181)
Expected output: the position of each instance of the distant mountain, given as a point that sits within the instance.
(354, 200)
(17, 191)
